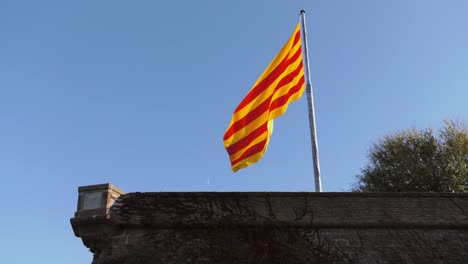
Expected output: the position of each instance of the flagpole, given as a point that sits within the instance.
(310, 103)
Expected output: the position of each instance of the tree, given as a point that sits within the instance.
(418, 161)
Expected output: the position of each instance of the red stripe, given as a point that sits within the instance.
(270, 78)
(264, 106)
(297, 37)
(288, 78)
(282, 100)
(251, 116)
(250, 152)
(245, 141)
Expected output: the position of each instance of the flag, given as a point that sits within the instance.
(247, 136)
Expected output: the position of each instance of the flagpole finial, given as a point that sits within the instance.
(302, 11)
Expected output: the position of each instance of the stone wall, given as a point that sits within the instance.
(275, 227)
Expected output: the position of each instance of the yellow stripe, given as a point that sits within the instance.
(264, 95)
(259, 139)
(279, 57)
(285, 89)
(256, 157)
(246, 130)
(281, 110)
(247, 162)
(262, 118)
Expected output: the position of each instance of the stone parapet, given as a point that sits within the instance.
(272, 227)
(292, 209)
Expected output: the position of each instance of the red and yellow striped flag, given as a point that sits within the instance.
(247, 136)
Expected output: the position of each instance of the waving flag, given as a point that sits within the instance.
(247, 136)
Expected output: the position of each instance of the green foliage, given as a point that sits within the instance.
(418, 161)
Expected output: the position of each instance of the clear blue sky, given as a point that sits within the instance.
(139, 93)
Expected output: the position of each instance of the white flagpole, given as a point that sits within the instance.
(310, 100)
